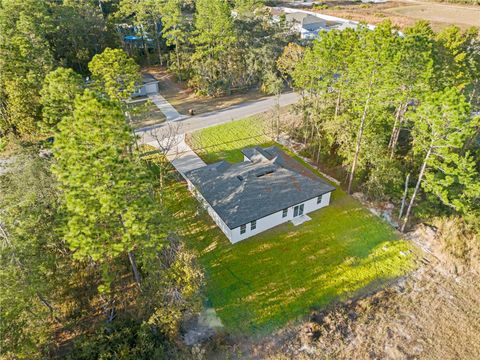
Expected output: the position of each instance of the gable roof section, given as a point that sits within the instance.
(270, 182)
(148, 79)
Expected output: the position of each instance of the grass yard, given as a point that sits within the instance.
(224, 142)
(145, 113)
(261, 283)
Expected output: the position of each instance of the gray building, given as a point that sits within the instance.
(267, 189)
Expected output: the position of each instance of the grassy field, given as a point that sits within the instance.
(262, 283)
(223, 142)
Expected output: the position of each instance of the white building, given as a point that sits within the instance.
(310, 24)
(148, 86)
(265, 190)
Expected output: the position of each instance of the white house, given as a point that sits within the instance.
(310, 24)
(306, 24)
(265, 190)
(148, 86)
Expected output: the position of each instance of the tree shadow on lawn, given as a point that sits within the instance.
(284, 290)
(264, 282)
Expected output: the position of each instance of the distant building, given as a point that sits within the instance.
(148, 86)
(265, 190)
(310, 24)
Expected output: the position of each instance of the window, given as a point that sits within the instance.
(298, 210)
(243, 229)
(285, 213)
(319, 199)
(253, 225)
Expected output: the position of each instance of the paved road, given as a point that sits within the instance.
(236, 112)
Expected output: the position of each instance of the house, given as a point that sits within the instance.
(308, 25)
(148, 86)
(265, 190)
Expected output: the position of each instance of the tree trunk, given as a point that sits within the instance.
(157, 42)
(396, 135)
(395, 124)
(405, 192)
(145, 46)
(337, 105)
(136, 273)
(359, 142)
(49, 306)
(417, 187)
(178, 59)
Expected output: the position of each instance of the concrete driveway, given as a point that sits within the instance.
(182, 157)
(166, 108)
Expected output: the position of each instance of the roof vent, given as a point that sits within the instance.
(240, 177)
(265, 173)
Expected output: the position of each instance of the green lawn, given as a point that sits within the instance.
(261, 283)
(223, 142)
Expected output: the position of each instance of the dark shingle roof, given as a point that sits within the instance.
(148, 78)
(246, 191)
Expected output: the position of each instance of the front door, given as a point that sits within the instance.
(298, 210)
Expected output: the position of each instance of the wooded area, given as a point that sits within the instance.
(90, 262)
(395, 110)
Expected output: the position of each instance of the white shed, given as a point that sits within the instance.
(149, 86)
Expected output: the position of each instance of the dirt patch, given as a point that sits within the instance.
(202, 328)
(441, 13)
(406, 13)
(431, 314)
(144, 113)
(184, 99)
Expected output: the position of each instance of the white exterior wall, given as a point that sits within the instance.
(213, 214)
(275, 219)
(264, 223)
(151, 88)
(145, 89)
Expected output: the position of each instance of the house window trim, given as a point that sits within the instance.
(319, 199)
(253, 225)
(300, 210)
(243, 229)
(284, 213)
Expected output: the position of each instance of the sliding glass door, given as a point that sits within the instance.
(298, 210)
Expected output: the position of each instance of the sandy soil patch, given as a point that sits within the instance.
(184, 98)
(439, 13)
(406, 13)
(432, 313)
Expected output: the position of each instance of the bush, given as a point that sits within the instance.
(123, 339)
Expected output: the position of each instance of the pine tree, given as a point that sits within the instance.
(108, 194)
(173, 29)
(25, 59)
(58, 93)
(442, 124)
(214, 36)
(115, 74)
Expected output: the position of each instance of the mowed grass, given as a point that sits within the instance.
(223, 142)
(261, 283)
